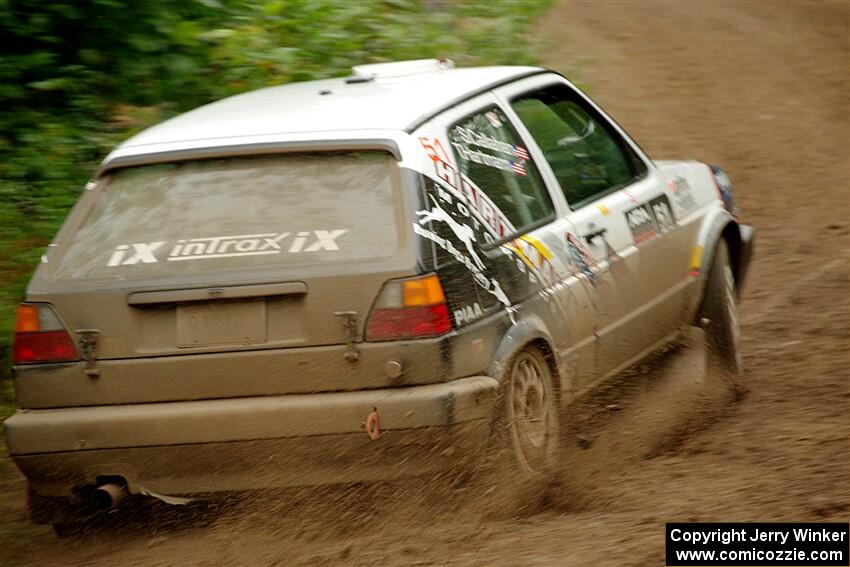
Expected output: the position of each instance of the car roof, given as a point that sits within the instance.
(371, 102)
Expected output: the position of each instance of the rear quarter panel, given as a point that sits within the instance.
(492, 289)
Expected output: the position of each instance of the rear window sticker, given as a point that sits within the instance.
(696, 261)
(482, 158)
(142, 252)
(466, 140)
(493, 119)
(209, 247)
(469, 137)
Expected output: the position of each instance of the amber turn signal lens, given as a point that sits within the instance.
(27, 319)
(413, 308)
(422, 291)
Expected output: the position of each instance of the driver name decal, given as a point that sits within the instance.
(209, 247)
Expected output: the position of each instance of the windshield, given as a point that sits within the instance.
(237, 213)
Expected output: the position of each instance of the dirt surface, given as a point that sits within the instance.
(760, 88)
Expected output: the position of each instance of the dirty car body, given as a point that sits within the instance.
(326, 282)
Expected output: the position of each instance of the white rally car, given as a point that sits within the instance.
(447, 255)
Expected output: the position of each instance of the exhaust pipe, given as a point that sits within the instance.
(108, 496)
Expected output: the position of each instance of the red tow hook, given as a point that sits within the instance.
(373, 425)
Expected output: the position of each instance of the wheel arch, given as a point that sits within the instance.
(527, 333)
(722, 227)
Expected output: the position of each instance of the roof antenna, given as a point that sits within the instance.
(358, 79)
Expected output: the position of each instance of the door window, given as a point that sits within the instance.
(490, 154)
(587, 155)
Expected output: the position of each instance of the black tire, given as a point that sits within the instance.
(720, 308)
(524, 464)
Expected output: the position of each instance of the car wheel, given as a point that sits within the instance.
(720, 307)
(531, 415)
(522, 465)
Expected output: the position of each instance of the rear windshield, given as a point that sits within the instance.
(194, 217)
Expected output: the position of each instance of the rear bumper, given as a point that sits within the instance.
(244, 443)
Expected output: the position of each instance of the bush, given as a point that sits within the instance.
(77, 77)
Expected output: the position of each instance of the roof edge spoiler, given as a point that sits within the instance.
(250, 149)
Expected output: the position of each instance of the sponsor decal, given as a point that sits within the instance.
(696, 261)
(521, 153)
(649, 219)
(603, 209)
(662, 212)
(457, 186)
(465, 234)
(641, 223)
(584, 266)
(479, 157)
(518, 167)
(474, 220)
(493, 119)
(469, 142)
(468, 137)
(682, 193)
(468, 313)
(226, 247)
(490, 285)
(579, 259)
(142, 252)
(535, 255)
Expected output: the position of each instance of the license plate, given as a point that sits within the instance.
(221, 323)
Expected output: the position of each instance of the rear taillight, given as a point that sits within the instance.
(409, 309)
(40, 336)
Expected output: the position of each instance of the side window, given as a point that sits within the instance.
(588, 157)
(490, 153)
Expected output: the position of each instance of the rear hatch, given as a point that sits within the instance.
(231, 255)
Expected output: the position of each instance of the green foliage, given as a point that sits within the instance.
(78, 76)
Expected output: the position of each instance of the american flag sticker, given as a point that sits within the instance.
(518, 167)
(520, 152)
